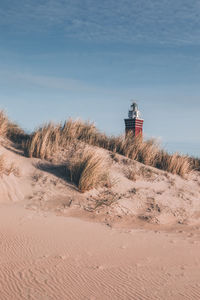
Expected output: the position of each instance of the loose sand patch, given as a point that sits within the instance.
(46, 257)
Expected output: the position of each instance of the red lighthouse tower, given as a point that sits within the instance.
(134, 123)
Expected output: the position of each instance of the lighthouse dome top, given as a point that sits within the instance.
(134, 112)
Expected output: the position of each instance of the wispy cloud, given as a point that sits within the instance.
(15, 79)
(50, 82)
(139, 21)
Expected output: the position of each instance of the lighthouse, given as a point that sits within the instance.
(134, 124)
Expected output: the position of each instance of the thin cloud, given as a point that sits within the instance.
(140, 21)
(25, 79)
(49, 82)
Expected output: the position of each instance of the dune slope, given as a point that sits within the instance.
(144, 243)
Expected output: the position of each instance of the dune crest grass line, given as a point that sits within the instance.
(50, 137)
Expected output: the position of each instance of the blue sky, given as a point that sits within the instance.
(87, 59)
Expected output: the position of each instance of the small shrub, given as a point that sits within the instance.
(12, 169)
(146, 172)
(130, 174)
(7, 170)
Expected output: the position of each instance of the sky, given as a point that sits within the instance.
(87, 59)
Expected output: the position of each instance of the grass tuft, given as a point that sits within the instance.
(3, 123)
(87, 169)
(44, 141)
(11, 130)
(2, 164)
(174, 163)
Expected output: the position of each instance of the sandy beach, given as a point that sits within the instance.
(48, 257)
(139, 239)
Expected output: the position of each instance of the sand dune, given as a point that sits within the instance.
(135, 240)
(49, 257)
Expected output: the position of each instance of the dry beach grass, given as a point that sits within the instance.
(3, 123)
(7, 168)
(11, 130)
(88, 169)
(2, 164)
(50, 137)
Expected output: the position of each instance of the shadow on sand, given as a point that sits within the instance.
(60, 171)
